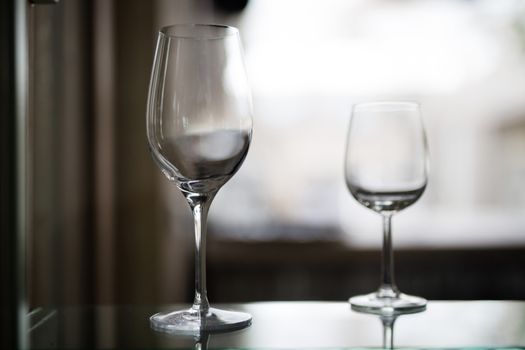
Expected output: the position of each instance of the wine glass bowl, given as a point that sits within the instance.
(199, 108)
(386, 170)
(199, 128)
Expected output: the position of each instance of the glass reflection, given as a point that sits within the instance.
(388, 330)
(388, 318)
(199, 341)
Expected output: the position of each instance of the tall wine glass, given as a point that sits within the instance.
(386, 170)
(199, 127)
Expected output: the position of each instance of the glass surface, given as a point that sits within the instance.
(199, 127)
(386, 170)
(288, 325)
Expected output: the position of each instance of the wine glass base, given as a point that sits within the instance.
(397, 305)
(192, 322)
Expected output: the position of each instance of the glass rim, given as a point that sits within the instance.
(198, 31)
(387, 104)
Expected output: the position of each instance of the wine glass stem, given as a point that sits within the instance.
(388, 287)
(199, 206)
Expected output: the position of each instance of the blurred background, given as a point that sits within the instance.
(105, 226)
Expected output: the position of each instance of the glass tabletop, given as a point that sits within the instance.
(287, 325)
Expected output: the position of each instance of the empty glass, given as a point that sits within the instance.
(199, 127)
(386, 170)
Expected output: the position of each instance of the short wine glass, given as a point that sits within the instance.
(199, 128)
(386, 170)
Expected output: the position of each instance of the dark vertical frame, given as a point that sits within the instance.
(17, 167)
(61, 171)
(61, 164)
(103, 82)
(13, 138)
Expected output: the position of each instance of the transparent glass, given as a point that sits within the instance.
(199, 127)
(386, 170)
